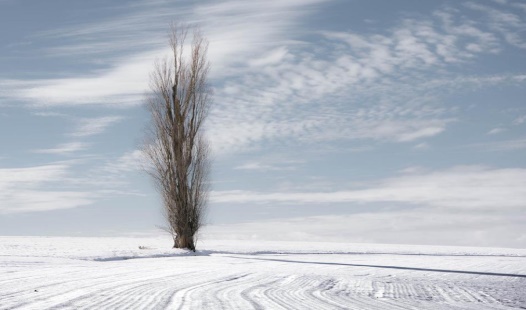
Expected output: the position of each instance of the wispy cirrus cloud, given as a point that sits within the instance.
(505, 22)
(36, 189)
(520, 120)
(58, 185)
(66, 148)
(51, 114)
(129, 161)
(84, 127)
(275, 85)
(132, 41)
(121, 85)
(422, 146)
(136, 27)
(270, 165)
(378, 84)
(500, 146)
(496, 130)
(94, 126)
(256, 166)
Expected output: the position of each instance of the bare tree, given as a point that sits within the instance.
(176, 149)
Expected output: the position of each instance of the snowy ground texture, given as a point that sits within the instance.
(113, 273)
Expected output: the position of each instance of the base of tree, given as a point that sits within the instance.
(184, 242)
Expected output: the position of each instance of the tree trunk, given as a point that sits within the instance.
(184, 242)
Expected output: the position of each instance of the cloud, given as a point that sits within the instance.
(270, 165)
(415, 226)
(499, 146)
(63, 148)
(51, 114)
(34, 189)
(520, 120)
(256, 166)
(84, 127)
(273, 85)
(459, 188)
(495, 131)
(507, 22)
(273, 57)
(130, 161)
(110, 176)
(422, 146)
(130, 42)
(93, 126)
(123, 84)
(386, 112)
(33, 174)
(37, 201)
(57, 186)
(136, 26)
(378, 85)
(521, 6)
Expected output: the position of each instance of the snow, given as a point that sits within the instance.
(145, 273)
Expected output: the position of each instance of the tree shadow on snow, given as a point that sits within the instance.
(386, 267)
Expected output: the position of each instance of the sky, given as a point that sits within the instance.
(333, 120)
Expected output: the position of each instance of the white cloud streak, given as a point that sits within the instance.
(416, 226)
(468, 188)
(236, 30)
(31, 190)
(270, 165)
(422, 146)
(520, 120)
(57, 186)
(122, 85)
(130, 161)
(501, 146)
(93, 126)
(65, 148)
(497, 130)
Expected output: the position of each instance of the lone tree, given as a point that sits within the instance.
(176, 149)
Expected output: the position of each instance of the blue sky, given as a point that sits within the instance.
(357, 121)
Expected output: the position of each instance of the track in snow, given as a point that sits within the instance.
(265, 281)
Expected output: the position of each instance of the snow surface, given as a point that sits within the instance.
(114, 273)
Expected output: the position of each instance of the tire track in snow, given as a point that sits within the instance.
(234, 283)
(311, 291)
(183, 299)
(143, 293)
(254, 294)
(88, 287)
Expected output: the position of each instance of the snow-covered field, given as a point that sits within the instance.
(113, 273)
